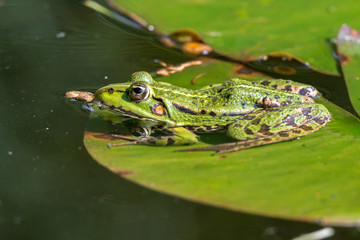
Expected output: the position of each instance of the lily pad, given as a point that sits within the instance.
(307, 179)
(253, 28)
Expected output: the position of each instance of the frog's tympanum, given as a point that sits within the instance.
(252, 113)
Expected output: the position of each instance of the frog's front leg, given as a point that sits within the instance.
(272, 125)
(175, 136)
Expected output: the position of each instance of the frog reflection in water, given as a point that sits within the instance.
(252, 113)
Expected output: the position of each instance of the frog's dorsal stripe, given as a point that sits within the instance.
(185, 109)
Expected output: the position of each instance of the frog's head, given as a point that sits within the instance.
(134, 99)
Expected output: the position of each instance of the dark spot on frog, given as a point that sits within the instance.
(158, 98)
(111, 90)
(203, 111)
(170, 141)
(268, 102)
(166, 131)
(184, 109)
(264, 129)
(284, 134)
(321, 120)
(248, 117)
(243, 103)
(286, 103)
(191, 128)
(229, 95)
(273, 110)
(258, 105)
(256, 122)
(276, 96)
(112, 107)
(265, 83)
(297, 131)
(290, 120)
(209, 128)
(303, 91)
(306, 112)
(213, 114)
(288, 88)
(267, 139)
(306, 128)
(200, 130)
(158, 109)
(249, 131)
(274, 86)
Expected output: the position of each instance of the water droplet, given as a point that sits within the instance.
(10, 153)
(151, 28)
(61, 35)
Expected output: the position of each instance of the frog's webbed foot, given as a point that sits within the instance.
(131, 140)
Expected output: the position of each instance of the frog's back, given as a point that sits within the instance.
(231, 99)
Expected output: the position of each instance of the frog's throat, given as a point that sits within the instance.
(121, 111)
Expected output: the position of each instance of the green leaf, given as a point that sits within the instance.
(311, 179)
(348, 43)
(252, 28)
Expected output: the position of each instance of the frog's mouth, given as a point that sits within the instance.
(120, 110)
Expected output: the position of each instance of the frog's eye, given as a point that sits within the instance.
(139, 92)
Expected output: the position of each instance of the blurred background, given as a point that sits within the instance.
(50, 187)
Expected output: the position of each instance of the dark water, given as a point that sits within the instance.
(50, 188)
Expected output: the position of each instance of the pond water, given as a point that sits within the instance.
(50, 186)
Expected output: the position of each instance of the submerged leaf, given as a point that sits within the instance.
(348, 42)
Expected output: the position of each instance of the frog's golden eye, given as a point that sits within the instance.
(139, 92)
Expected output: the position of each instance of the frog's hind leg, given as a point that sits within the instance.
(291, 86)
(273, 125)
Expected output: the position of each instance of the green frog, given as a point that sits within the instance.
(252, 113)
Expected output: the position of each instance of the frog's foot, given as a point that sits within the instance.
(131, 140)
(176, 136)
